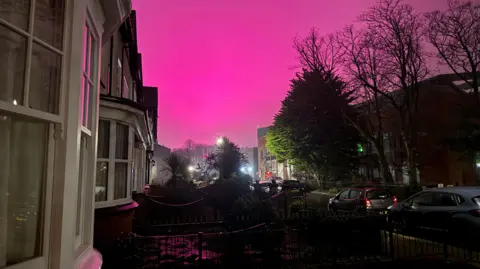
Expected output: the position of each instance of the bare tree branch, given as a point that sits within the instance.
(455, 35)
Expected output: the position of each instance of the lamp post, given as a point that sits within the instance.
(220, 142)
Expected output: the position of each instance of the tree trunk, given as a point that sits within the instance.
(384, 167)
(411, 162)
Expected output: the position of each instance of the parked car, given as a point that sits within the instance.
(363, 200)
(292, 184)
(455, 209)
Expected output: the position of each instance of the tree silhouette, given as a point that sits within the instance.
(227, 159)
(177, 168)
(310, 130)
(454, 32)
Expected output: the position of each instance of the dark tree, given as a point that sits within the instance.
(227, 159)
(177, 168)
(310, 128)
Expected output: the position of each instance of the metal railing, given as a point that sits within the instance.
(312, 238)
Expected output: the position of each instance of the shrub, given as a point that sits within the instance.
(333, 190)
(250, 206)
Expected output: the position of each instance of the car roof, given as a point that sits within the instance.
(366, 188)
(465, 191)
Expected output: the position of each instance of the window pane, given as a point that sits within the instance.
(121, 148)
(126, 89)
(343, 194)
(23, 144)
(445, 199)
(45, 79)
(82, 169)
(92, 61)
(101, 182)
(354, 194)
(121, 176)
(103, 139)
(105, 73)
(15, 12)
(116, 90)
(424, 199)
(48, 24)
(13, 49)
(86, 49)
(378, 194)
(87, 104)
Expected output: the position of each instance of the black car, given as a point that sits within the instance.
(454, 209)
(292, 185)
(362, 200)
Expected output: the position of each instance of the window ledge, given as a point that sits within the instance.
(91, 260)
(113, 203)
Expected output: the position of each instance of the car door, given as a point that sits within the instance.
(439, 215)
(414, 209)
(341, 200)
(354, 202)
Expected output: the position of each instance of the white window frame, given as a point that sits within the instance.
(55, 122)
(140, 166)
(84, 217)
(119, 77)
(111, 160)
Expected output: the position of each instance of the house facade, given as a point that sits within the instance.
(125, 138)
(158, 172)
(268, 166)
(440, 113)
(251, 154)
(52, 185)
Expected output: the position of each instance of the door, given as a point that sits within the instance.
(439, 215)
(341, 200)
(354, 202)
(414, 209)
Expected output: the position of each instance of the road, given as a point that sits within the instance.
(318, 200)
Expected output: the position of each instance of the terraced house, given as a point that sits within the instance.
(57, 58)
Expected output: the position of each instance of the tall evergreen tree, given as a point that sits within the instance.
(310, 129)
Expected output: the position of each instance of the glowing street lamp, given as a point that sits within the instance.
(220, 141)
(191, 168)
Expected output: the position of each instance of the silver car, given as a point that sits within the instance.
(454, 209)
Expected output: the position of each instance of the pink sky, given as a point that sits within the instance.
(222, 67)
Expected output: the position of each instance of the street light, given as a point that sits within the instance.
(219, 141)
(191, 168)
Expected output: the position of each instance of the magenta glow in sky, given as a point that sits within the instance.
(222, 67)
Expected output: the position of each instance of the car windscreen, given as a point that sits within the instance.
(378, 194)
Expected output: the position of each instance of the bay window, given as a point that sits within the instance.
(31, 55)
(114, 163)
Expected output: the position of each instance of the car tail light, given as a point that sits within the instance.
(368, 203)
(395, 200)
(475, 212)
